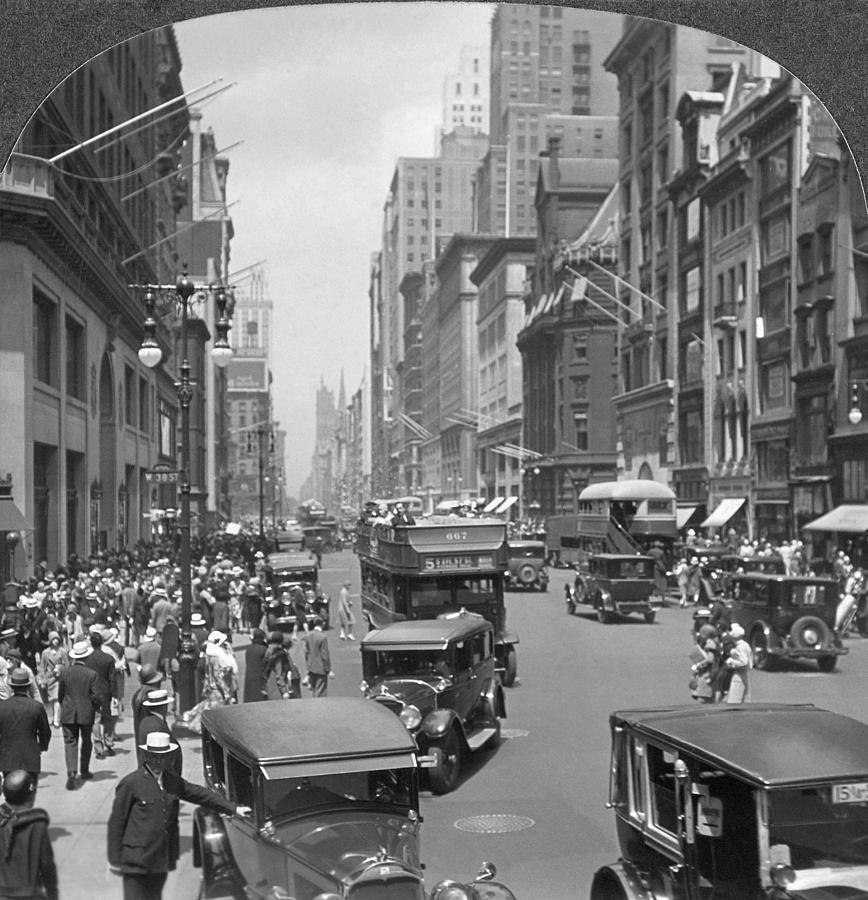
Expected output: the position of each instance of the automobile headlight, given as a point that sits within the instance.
(452, 890)
(363, 686)
(410, 716)
(328, 895)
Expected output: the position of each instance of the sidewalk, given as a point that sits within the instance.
(79, 818)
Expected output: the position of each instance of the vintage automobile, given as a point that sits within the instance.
(740, 801)
(286, 574)
(324, 537)
(290, 537)
(615, 584)
(334, 789)
(787, 616)
(438, 677)
(527, 565)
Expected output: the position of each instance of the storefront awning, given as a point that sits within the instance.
(724, 511)
(506, 505)
(851, 518)
(11, 518)
(492, 503)
(683, 515)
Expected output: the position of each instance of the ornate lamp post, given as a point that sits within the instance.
(151, 354)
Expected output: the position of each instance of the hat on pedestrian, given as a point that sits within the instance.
(14, 654)
(53, 636)
(81, 648)
(158, 742)
(150, 632)
(347, 583)
(217, 637)
(259, 555)
(91, 595)
(275, 637)
(29, 602)
(109, 635)
(7, 633)
(160, 590)
(197, 620)
(736, 630)
(20, 678)
(148, 674)
(157, 698)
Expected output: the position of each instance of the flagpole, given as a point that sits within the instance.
(632, 287)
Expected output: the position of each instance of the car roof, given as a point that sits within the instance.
(619, 556)
(774, 745)
(275, 731)
(781, 577)
(291, 560)
(427, 633)
(535, 544)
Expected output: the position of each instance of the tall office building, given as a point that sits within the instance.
(545, 61)
(466, 93)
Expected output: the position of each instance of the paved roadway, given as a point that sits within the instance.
(549, 775)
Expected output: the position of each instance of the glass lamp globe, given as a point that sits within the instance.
(150, 354)
(221, 355)
(855, 415)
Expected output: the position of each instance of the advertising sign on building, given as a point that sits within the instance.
(247, 375)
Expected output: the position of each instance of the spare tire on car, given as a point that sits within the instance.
(527, 574)
(811, 633)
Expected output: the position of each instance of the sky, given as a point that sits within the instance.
(325, 99)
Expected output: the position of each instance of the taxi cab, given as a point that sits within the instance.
(333, 786)
(737, 801)
(616, 584)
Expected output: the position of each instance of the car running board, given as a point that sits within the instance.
(478, 738)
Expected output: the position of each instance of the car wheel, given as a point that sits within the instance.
(603, 615)
(650, 616)
(581, 592)
(827, 663)
(527, 575)
(759, 645)
(810, 632)
(494, 741)
(443, 774)
(605, 886)
(510, 667)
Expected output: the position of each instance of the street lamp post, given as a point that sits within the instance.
(855, 414)
(151, 354)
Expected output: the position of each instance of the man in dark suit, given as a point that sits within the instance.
(155, 708)
(79, 698)
(254, 659)
(149, 680)
(143, 832)
(316, 655)
(104, 665)
(24, 729)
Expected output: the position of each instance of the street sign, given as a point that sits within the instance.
(163, 476)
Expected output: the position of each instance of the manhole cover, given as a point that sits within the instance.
(494, 824)
(513, 732)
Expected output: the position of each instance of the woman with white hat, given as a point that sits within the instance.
(220, 684)
(739, 662)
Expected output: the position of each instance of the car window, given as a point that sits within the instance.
(463, 655)
(240, 782)
(661, 778)
(287, 796)
(478, 648)
(810, 594)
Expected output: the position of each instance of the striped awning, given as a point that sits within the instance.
(723, 512)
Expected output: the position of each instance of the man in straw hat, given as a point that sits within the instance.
(79, 697)
(149, 679)
(155, 709)
(24, 729)
(143, 831)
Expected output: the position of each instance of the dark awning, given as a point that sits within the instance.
(683, 514)
(851, 518)
(11, 518)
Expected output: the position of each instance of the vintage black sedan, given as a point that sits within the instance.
(438, 677)
(333, 785)
(787, 617)
(742, 801)
(616, 584)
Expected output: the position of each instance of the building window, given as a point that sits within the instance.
(581, 430)
(166, 438)
(44, 339)
(690, 437)
(130, 396)
(690, 290)
(775, 238)
(775, 169)
(690, 221)
(144, 407)
(75, 360)
(692, 361)
(773, 308)
(773, 386)
(824, 252)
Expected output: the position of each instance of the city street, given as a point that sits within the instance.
(548, 778)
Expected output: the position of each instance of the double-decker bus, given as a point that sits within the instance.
(440, 565)
(614, 517)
